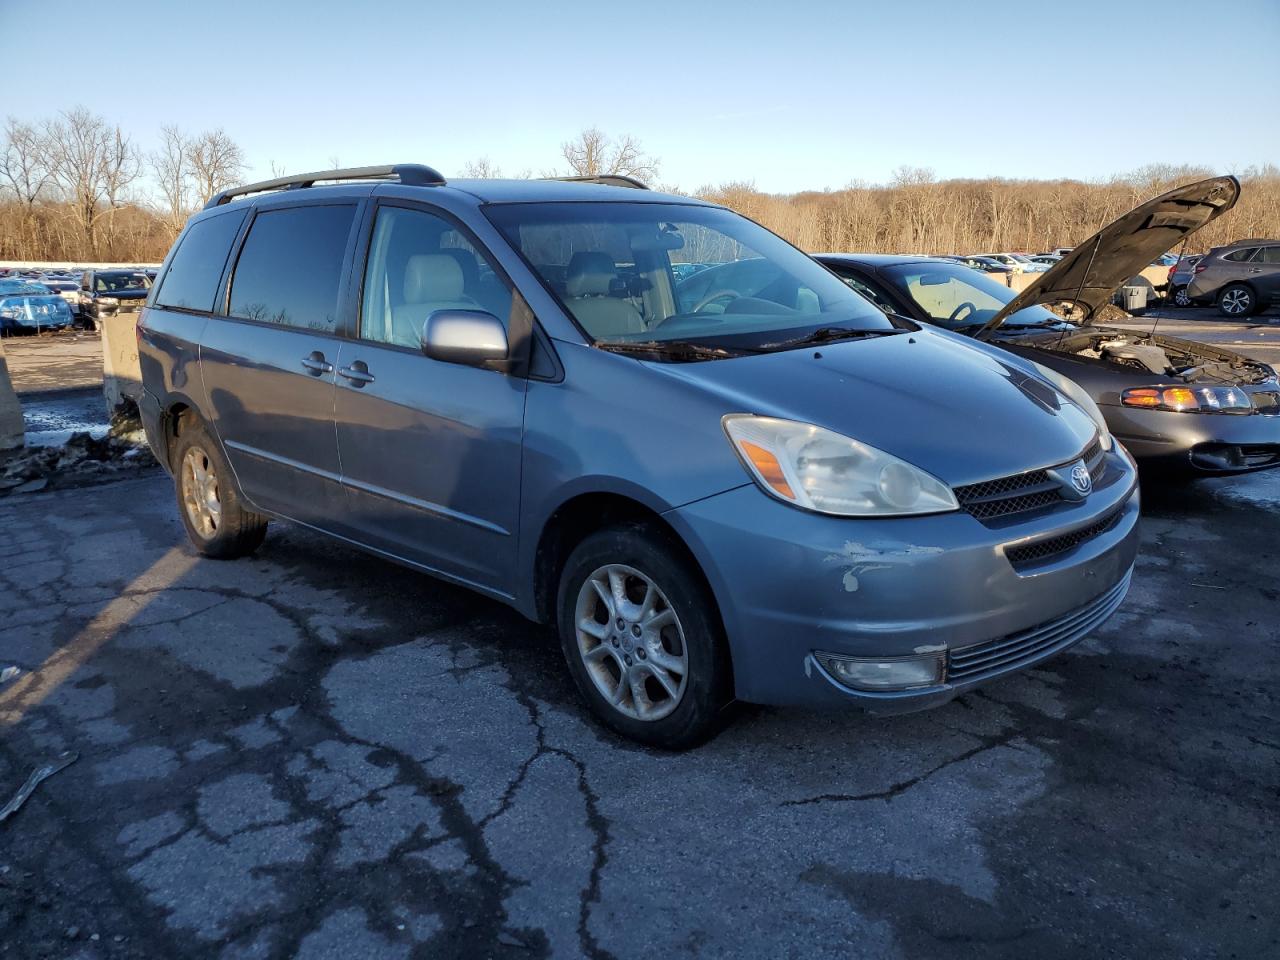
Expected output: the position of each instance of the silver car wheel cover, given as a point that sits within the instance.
(631, 642)
(1236, 301)
(200, 493)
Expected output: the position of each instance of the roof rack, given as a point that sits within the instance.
(409, 174)
(608, 180)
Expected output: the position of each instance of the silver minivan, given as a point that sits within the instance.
(769, 491)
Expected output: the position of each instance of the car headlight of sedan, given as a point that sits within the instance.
(1080, 397)
(819, 470)
(10, 312)
(1189, 399)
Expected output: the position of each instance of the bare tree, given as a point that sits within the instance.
(94, 163)
(482, 169)
(596, 154)
(217, 162)
(24, 164)
(171, 165)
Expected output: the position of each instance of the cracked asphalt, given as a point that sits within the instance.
(315, 753)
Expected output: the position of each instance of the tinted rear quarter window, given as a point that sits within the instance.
(290, 267)
(1240, 256)
(191, 282)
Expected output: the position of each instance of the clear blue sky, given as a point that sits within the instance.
(792, 96)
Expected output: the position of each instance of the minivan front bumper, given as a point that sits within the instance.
(794, 586)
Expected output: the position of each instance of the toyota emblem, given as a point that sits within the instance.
(1080, 478)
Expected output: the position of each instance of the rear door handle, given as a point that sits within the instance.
(316, 363)
(358, 373)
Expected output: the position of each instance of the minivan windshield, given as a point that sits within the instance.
(959, 298)
(668, 277)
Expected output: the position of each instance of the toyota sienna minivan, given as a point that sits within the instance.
(771, 492)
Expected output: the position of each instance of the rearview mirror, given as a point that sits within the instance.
(934, 279)
(470, 337)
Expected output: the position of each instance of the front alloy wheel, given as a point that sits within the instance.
(642, 636)
(631, 642)
(200, 492)
(1237, 301)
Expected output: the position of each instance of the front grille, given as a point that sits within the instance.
(1018, 649)
(1044, 549)
(1095, 461)
(1023, 492)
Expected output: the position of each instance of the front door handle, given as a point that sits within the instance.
(316, 364)
(358, 373)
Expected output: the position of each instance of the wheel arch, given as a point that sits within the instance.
(577, 518)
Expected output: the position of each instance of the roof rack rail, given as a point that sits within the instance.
(608, 180)
(410, 174)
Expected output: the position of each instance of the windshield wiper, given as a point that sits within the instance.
(674, 349)
(827, 335)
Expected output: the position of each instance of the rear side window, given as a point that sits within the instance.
(1240, 256)
(290, 267)
(1270, 255)
(192, 280)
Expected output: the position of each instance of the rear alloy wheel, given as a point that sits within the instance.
(642, 637)
(218, 522)
(1237, 300)
(200, 493)
(1180, 297)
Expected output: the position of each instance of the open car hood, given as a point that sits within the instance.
(1088, 275)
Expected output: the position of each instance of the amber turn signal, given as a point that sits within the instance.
(769, 468)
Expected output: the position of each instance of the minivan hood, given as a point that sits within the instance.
(960, 410)
(1089, 274)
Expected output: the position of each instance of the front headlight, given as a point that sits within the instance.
(819, 470)
(1189, 399)
(1077, 395)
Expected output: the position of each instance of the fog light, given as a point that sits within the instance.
(890, 673)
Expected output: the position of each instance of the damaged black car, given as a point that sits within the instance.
(1190, 407)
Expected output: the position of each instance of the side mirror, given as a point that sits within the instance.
(470, 337)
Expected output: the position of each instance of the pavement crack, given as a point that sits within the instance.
(899, 788)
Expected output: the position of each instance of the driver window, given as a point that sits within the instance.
(419, 263)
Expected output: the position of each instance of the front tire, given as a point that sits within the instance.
(642, 637)
(1237, 301)
(218, 522)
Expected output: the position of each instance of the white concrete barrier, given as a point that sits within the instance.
(121, 374)
(12, 433)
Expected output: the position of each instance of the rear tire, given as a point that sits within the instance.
(218, 522)
(1179, 298)
(642, 637)
(1237, 301)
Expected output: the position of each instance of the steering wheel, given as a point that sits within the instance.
(955, 314)
(709, 298)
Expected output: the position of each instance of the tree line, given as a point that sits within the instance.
(77, 187)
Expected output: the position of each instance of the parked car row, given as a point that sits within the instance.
(753, 480)
(90, 295)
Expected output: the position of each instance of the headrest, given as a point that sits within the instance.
(469, 264)
(589, 274)
(432, 276)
